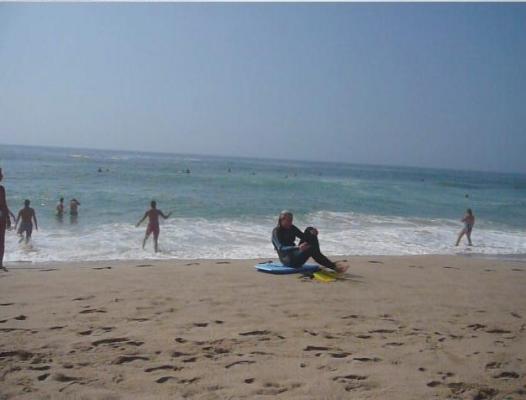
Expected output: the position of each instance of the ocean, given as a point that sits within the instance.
(227, 207)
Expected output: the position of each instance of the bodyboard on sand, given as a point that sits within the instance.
(280, 269)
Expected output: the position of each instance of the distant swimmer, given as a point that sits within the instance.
(153, 224)
(283, 239)
(60, 208)
(74, 210)
(5, 221)
(469, 221)
(27, 216)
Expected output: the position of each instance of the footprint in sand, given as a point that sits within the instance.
(6, 304)
(83, 298)
(498, 330)
(476, 326)
(507, 375)
(316, 348)
(117, 341)
(255, 333)
(126, 359)
(42, 377)
(352, 381)
(239, 363)
(59, 377)
(514, 314)
(48, 270)
(249, 380)
(342, 354)
(163, 367)
(367, 359)
(382, 331)
(92, 310)
(20, 317)
(99, 268)
(143, 265)
(364, 336)
(223, 262)
(193, 263)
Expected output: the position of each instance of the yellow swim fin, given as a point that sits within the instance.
(323, 276)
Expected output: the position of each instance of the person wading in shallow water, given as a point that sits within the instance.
(283, 239)
(153, 224)
(469, 221)
(5, 221)
(26, 216)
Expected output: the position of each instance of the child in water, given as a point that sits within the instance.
(153, 224)
(469, 221)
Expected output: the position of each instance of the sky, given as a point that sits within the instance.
(430, 85)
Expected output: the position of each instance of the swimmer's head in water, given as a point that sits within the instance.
(285, 219)
(153, 203)
(27, 202)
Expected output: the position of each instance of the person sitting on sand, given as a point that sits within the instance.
(469, 221)
(283, 240)
(153, 224)
(27, 214)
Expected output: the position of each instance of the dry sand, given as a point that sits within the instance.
(429, 327)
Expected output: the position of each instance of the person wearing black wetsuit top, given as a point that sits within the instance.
(283, 239)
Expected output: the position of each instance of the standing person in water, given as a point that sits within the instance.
(153, 224)
(284, 236)
(60, 209)
(27, 215)
(5, 221)
(469, 221)
(74, 210)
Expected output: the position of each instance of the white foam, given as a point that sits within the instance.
(187, 238)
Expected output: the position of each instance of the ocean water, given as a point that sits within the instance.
(227, 207)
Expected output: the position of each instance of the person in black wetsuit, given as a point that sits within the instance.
(284, 236)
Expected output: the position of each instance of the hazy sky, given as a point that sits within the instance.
(439, 85)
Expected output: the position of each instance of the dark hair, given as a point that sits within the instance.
(61, 199)
(469, 211)
(26, 202)
(153, 203)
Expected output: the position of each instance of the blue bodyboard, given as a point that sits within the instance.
(280, 269)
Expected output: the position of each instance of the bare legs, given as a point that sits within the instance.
(462, 233)
(155, 241)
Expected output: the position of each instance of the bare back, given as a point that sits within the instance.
(26, 214)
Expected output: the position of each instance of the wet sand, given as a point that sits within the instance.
(424, 327)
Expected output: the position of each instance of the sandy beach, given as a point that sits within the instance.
(417, 327)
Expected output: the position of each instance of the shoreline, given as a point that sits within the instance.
(512, 258)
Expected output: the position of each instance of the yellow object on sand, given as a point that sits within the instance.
(324, 276)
